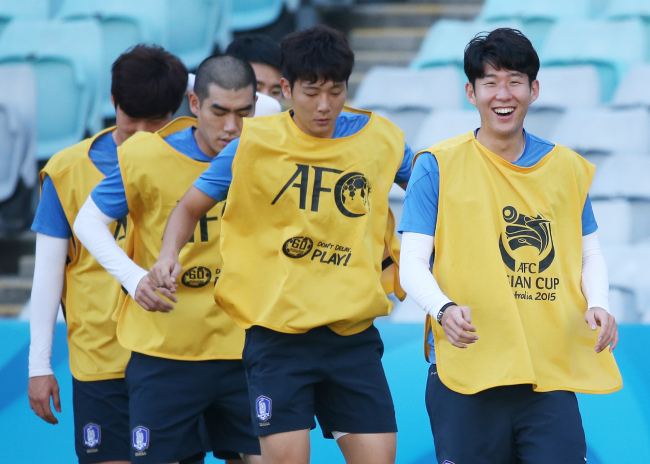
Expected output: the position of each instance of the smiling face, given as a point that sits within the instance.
(316, 105)
(221, 116)
(502, 98)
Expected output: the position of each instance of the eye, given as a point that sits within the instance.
(311, 94)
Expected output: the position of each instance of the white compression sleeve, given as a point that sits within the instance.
(595, 282)
(91, 227)
(415, 274)
(49, 271)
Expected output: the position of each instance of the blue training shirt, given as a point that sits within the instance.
(420, 213)
(215, 181)
(50, 218)
(110, 196)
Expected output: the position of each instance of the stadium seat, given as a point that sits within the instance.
(18, 140)
(603, 131)
(614, 218)
(446, 40)
(124, 23)
(629, 274)
(622, 175)
(24, 9)
(636, 9)
(192, 27)
(406, 96)
(67, 77)
(223, 29)
(611, 46)
(633, 90)
(537, 16)
(253, 14)
(443, 124)
(563, 88)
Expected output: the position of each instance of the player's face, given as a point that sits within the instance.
(221, 116)
(502, 98)
(126, 126)
(316, 105)
(268, 80)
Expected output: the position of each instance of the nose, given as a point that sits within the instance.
(503, 92)
(232, 123)
(324, 105)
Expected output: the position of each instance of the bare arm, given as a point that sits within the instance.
(179, 229)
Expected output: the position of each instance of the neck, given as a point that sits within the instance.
(510, 148)
(118, 137)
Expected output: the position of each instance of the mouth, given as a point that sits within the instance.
(322, 122)
(226, 141)
(504, 111)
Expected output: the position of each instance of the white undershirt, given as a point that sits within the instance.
(418, 281)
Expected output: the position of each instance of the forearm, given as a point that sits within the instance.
(595, 282)
(91, 227)
(415, 274)
(49, 270)
(179, 228)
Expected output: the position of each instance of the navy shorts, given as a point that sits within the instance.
(509, 425)
(101, 420)
(171, 401)
(339, 379)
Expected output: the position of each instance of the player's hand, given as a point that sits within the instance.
(608, 328)
(146, 294)
(40, 390)
(165, 272)
(457, 324)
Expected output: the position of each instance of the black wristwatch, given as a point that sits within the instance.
(442, 310)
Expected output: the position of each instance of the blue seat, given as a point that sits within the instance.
(253, 14)
(633, 89)
(124, 23)
(632, 9)
(66, 62)
(191, 29)
(537, 16)
(611, 46)
(446, 40)
(35, 9)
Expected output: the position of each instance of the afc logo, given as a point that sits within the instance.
(351, 191)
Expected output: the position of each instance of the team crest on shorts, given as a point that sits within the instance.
(263, 408)
(140, 438)
(447, 462)
(92, 435)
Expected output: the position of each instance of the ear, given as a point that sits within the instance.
(534, 91)
(195, 104)
(113, 101)
(469, 91)
(286, 88)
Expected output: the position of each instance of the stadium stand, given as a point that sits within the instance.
(67, 75)
(25, 9)
(537, 16)
(441, 125)
(416, 97)
(600, 43)
(254, 14)
(17, 146)
(124, 23)
(633, 89)
(446, 40)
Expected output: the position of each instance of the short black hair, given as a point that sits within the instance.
(503, 48)
(225, 71)
(148, 82)
(317, 53)
(256, 48)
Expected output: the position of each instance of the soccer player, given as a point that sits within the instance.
(147, 87)
(187, 363)
(518, 285)
(303, 241)
(263, 53)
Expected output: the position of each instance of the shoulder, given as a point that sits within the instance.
(67, 158)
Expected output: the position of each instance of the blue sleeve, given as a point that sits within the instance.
(215, 181)
(109, 195)
(420, 212)
(50, 218)
(404, 173)
(589, 225)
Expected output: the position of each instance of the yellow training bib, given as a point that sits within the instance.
(303, 236)
(508, 244)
